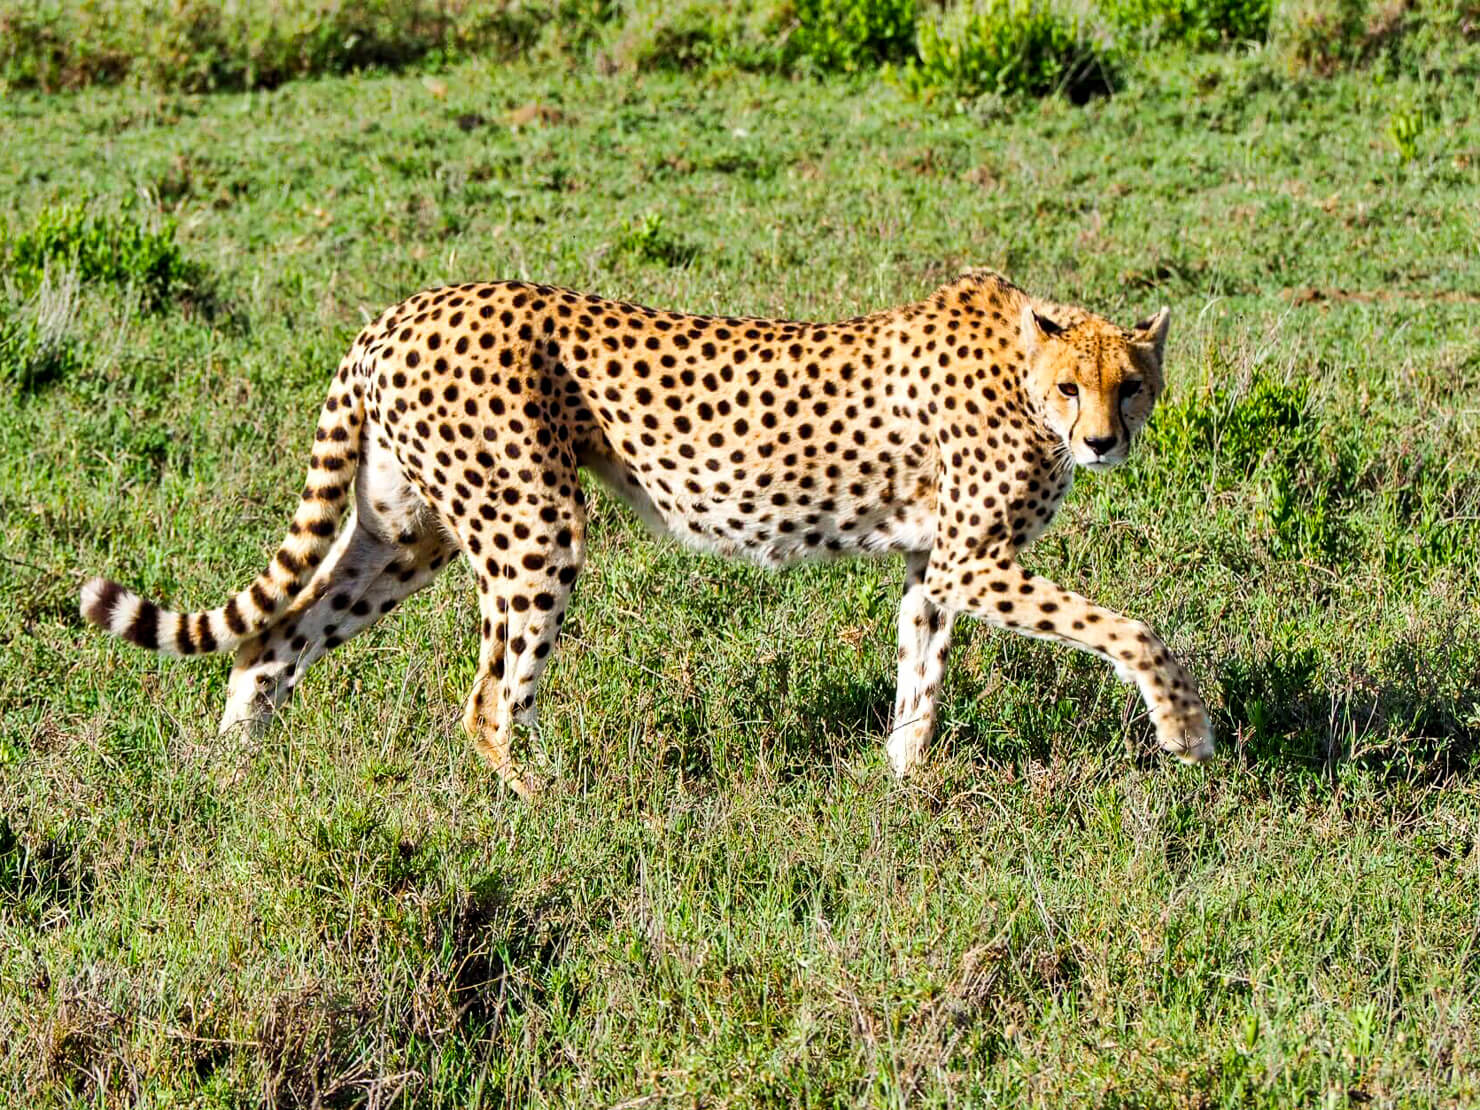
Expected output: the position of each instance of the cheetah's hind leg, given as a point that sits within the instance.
(524, 586)
(392, 548)
(268, 668)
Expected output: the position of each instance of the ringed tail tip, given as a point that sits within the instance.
(123, 613)
(100, 599)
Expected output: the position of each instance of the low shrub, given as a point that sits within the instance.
(681, 37)
(1323, 35)
(101, 250)
(1007, 47)
(963, 48)
(847, 35)
(1307, 475)
(29, 360)
(1198, 23)
(37, 349)
(649, 241)
(1239, 427)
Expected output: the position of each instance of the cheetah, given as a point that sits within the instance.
(946, 431)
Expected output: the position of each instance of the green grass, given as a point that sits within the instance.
(724, 899)
(962, 49)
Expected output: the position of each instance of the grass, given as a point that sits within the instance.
(724, 898)
(961, 49)
(199, 46)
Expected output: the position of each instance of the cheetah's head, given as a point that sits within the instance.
(1094, 383)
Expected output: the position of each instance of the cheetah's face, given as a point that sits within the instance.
(1094, 383)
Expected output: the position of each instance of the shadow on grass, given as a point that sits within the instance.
(41, 879)
(504, 949)
(1409, 718)
(829, 722)
(1398, 721)
(1413, 717)
(493, 957)
(815, 727)
(833, 723)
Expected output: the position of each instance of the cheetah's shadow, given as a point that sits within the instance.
(839, 720)
(828, 725)
(1401, 719)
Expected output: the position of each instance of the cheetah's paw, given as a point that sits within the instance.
(1186, 733)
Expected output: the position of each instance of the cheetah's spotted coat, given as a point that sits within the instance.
(945, 430)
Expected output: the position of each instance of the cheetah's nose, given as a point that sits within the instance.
(1099, 444)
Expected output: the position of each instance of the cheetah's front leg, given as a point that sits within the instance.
(995, 589)
(924, 643)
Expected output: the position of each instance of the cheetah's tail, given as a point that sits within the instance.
(331, 469)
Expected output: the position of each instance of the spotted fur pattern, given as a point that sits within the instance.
(945, 430)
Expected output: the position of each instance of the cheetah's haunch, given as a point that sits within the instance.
(945, 430)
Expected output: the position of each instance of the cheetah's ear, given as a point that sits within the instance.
(1150, 335)
(1036, 329)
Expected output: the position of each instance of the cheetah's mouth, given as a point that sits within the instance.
(1099, 463)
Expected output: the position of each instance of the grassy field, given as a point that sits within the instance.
(724, 898)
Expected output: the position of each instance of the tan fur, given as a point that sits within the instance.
(944, 430)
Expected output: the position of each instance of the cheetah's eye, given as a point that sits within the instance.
(1129, 389)
(1069, 389)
